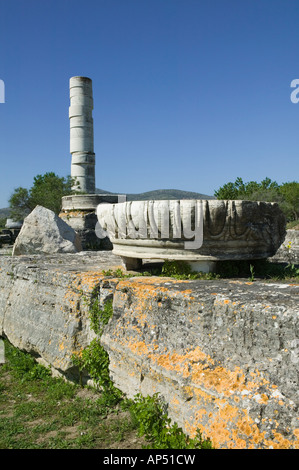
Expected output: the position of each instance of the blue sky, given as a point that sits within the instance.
(188, 94)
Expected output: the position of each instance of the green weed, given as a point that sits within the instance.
(152, 421)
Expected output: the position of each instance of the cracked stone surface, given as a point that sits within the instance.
(223, 354)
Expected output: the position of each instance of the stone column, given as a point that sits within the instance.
(81, 134)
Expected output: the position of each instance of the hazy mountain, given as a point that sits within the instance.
(4, 213)
(159, 194)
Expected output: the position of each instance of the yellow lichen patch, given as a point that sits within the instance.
(174, 362)
(199, 414)
(197, 355)
(147, 286)
(228, 427)
(178, 362)
(138, 347)
(264, 398)
(246, 431)
(280, 442)
(231, 427)
(219, 379)
(88, 280)
(219, 427)
(296, 434)
(175, 401)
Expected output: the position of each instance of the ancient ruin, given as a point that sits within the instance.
(81, 134)
(222, 353)
(79, 210)
(227, 230)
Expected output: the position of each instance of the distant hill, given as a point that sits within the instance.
(159, 194)
(4, 213)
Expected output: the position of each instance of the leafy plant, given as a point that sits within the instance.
(100, 317)
(176, 268)
(95, 361)
(182, 270)
(151, 418)
(251, 268)
(116, 273)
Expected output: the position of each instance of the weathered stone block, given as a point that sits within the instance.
(224, 354)
(44, 232)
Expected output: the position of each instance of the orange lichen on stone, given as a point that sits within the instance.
(88, 280)
(175, 401)
(296, 434)
(230, 427)
(138, 347)
(199, 414)
(174, 362)
(280, 442)
(218, 398)
(147, 287)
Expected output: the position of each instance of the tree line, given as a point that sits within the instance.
(286, 194)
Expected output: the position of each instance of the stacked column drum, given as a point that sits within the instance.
(81, 134)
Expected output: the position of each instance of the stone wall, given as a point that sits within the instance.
(224, 354)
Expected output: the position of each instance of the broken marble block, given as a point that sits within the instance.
(44, 232)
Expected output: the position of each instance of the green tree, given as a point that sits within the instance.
(290, 194)
(47, 191)
(231, 190)
(2, 222)
(19, 203)
(286, 195)
(266, 190)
